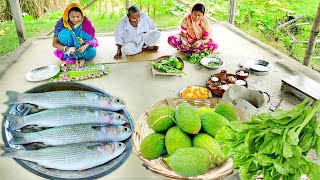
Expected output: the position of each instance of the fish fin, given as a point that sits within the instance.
(14, 97)
(9, 152)
(94, 146)
(15, 122)
(13, 154)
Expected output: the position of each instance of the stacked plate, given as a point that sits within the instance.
(259, 67)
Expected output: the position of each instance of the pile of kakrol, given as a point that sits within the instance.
(79, 129)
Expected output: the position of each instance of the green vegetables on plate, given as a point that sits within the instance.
(195, 58)
(213, 64)
(169, 65)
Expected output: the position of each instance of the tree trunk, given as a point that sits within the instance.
(232, 11)
(17, 16)
(127, 5)
(312, 40)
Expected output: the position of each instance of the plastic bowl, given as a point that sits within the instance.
(242, 74)
(208, 60)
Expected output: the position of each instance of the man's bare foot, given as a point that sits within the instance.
(117, 56)
(150, 48)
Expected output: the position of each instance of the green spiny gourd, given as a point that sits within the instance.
(188, 119)
(152, 146)
(227, 110)
(190, 161)
(176, 139)
(212, 122)
(207, 142)
(161, 118)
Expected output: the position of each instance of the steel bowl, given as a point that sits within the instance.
(205, 62)
(259, 65)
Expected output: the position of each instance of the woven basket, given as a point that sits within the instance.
(158, 166)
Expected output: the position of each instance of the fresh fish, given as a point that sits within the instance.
(69, 157)
(57, 99)
(66, 116)
(73, 134)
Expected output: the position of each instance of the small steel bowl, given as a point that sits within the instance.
(242, 76)
(205, 62)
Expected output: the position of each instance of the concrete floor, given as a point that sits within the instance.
(133, 81)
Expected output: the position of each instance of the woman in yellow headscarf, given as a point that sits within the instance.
(74, 36)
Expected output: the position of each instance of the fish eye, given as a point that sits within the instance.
(118, 117)
(119, 145)
(125, 129)
(117, 100)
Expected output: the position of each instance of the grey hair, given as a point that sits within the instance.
(133, 10)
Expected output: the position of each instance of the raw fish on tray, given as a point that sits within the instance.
(69, 157)
(72, 134)
(66, 116)
(67, 98)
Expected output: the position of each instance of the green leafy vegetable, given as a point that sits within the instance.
(274, 144)
(169, 65)
(195, 58)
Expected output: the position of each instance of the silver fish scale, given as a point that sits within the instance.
(75, 134)
(55, 99)
(72, 156)
(69, 116)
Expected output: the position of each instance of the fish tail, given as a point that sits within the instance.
(9, 152)
(21, 138)
(15, 122)
(14, 97)
(18, 140)
(17, 134)
(5, 148)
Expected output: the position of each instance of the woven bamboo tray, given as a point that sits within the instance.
(158, 166)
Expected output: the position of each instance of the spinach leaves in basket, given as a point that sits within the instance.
(195, 58)
(169, 65)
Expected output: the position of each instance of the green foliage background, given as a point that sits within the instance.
(259, 18)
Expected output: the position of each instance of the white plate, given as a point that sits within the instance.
(42, 73)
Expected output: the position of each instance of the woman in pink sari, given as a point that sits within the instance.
(195, 33)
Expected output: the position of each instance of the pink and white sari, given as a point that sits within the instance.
(195, 31)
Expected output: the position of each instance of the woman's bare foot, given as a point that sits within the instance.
(80, 62)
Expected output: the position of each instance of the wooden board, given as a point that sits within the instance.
(301, 86)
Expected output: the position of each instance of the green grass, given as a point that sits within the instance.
(9, 41)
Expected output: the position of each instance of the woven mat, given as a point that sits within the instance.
(71, 72)
(107, 49)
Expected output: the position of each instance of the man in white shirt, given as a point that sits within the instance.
(135, 32)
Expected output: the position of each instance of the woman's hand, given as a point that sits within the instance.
(82, 48)
(198, 43)
(184, 43)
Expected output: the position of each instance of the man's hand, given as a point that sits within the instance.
(118, 55)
